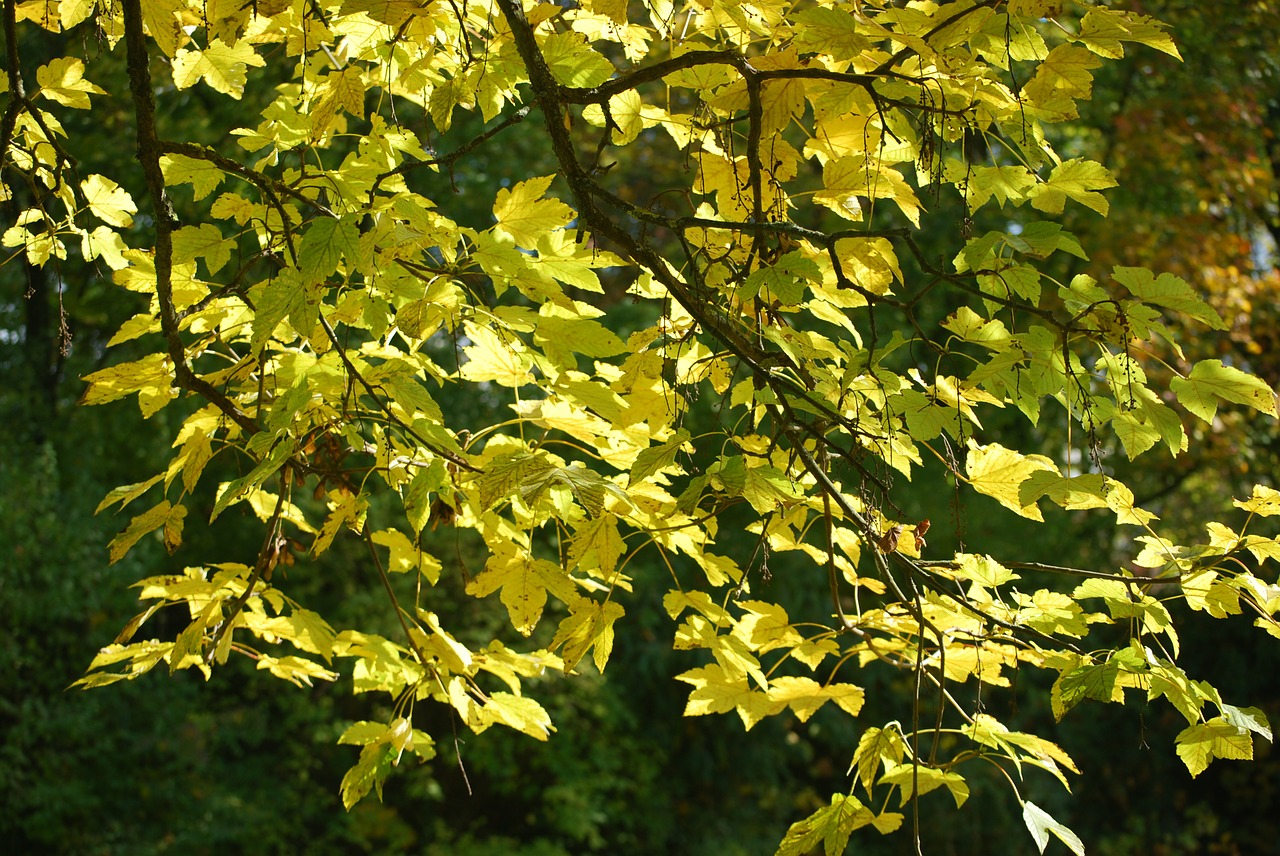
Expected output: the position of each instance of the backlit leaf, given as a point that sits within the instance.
(221, 66)
(1210, 382)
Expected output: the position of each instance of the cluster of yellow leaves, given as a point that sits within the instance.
(312, 303)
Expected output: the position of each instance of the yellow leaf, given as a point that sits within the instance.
(523, 215)
(1214, 738)
(349, 510)
(106, 244)
(150, 372)
(876, 745)
(522, 714)
(1264, 501)
(850, 177)
(524, 582)
(173, 528)
(295, 670)
(74, 12)
(340, 90)
(588, 626)
(805, 695)
(1062, 77)
(404, 553)
(108, 201)
(221, 66)
(202, 242)
(163, 19)
(506, 363)
(1103, 30)
(62, 80)
(999, 473)
(202, 175)
(596, 546)
(126, 494)
(983, 570)
(766, 626)
(715, 692)
(1211, 381)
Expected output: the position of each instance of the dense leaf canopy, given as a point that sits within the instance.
(687, 321)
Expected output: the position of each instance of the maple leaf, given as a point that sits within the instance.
(62, 80)
(1103, 31)
(202, 242)
(1210, 382)
(1060, 79)
(523, 215)
(1076, 179)
(108, 201)
(1199, 744)
(999, 473)
(1264, 501)
(524, 582)
(221, 66)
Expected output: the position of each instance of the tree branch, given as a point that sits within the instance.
(148, 153)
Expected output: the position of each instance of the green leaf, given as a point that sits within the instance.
(1216, 738)
(290, 296)
(148, 521)
(573, 62)
(1076, 179)
(509, 472)
(1167, 291)
(784, 281)
(1210, 382)
(324, 244)
(371, 770)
